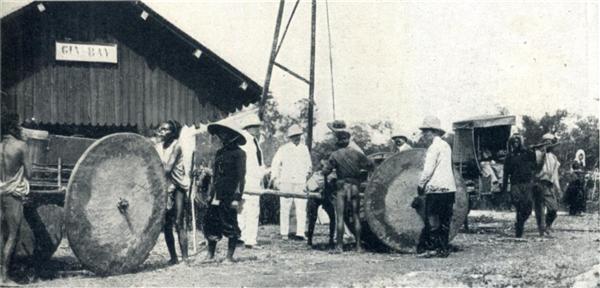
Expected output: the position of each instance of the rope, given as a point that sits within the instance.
(330, 59)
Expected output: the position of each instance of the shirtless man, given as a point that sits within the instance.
(169, 150)
(351, 167)
(14, 170)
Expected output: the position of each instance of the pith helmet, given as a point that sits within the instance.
(250, 121)
(294, 130)
(433, 123)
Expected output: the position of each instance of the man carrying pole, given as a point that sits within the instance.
(351, 166)
(547, 185)
(519, 168)
(290, 169)
(169, 150)
(226, 190)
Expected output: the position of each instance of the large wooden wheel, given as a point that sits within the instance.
(388, 196)
(115, 204)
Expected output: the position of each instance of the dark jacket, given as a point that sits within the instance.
(519, 167)
(229, 172)
(349, 164)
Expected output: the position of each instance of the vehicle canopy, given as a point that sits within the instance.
(481, 137)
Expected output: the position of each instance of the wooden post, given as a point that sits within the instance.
(311, 88)
(265, 93)
(59, 173)
(1, 96)
(192, 197)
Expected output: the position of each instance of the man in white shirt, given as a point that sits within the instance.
(290, 169)
(255, 172)
(438, 186)
(400, 142)
(547, 189)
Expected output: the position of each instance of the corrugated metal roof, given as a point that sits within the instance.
(13, 6)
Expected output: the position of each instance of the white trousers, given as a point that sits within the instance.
(248, 219)
(285, 205)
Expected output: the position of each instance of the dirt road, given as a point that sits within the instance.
(489, 257)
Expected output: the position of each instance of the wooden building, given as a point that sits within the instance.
(103, 64)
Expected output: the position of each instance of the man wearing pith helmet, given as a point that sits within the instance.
(255, 171)
(437, 184)
(290, 169)
(400, 141)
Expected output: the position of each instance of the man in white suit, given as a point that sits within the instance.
(290, 169)
(255, 172)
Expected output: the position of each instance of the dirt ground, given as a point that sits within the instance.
(488, 256)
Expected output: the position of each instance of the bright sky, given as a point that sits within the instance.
(400, 61)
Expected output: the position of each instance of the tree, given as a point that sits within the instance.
(533, 130)
(583, 136)
(276, 124)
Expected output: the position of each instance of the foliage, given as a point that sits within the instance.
(362, 134)
(584, 135)
(533, 129)
(276, 124)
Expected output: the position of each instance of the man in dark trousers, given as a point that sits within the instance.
(519, 168)
(326, 186)
(351, 167)
(437, 184)
(229, 172)
(14, 172)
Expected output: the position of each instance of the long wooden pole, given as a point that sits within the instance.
(309, 195)
(311, 88)
(192, 203)
(330, 59)
(265, 93)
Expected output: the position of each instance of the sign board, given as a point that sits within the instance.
(103, 53)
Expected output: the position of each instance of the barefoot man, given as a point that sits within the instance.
(351, 167)
(14, 171)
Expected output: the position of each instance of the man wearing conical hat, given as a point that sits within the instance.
(437, 184)
(255, 172)
(226, 190)
(290, 169)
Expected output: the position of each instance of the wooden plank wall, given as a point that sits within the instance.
(139, 90)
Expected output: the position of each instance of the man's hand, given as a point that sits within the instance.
(236, 205)
(421, 190)
(502, 189)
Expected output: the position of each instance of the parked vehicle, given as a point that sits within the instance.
(478, 152)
